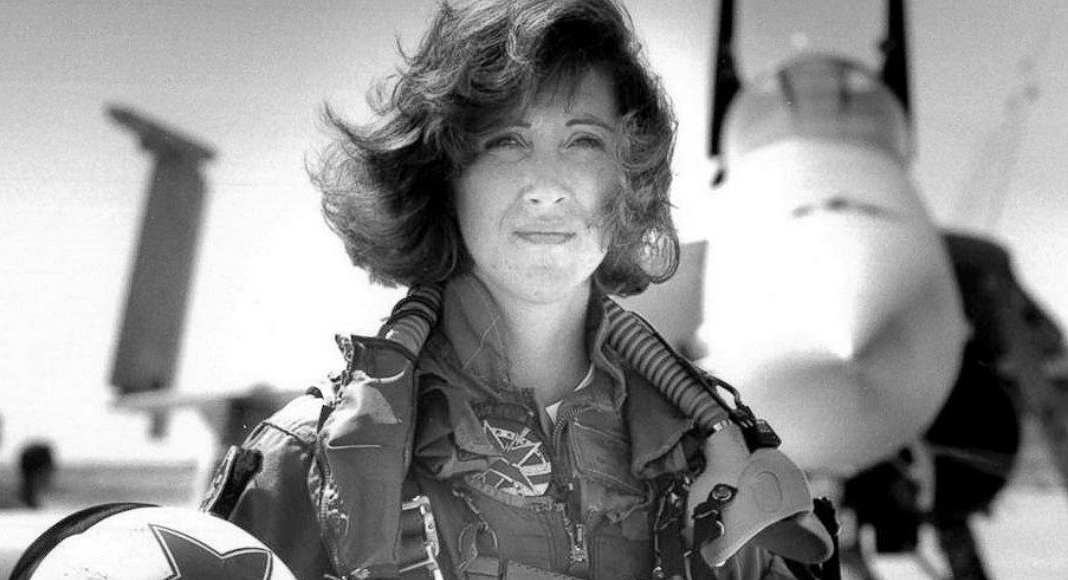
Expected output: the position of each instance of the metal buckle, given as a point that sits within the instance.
(431, 543)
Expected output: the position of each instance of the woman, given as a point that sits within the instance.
(521, 161)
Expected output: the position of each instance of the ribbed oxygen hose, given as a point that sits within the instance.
(636, 341)
(413, 317)
(631, 336)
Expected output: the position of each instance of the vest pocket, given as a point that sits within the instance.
(603, 456)
(602, 463)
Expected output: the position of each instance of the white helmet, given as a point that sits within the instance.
(131, 541)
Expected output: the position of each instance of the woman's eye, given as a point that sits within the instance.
(503, 142)
(587, 141)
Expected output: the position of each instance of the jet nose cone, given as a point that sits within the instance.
(844, 332)
(862, 280)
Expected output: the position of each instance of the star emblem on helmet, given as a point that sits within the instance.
(191, 559)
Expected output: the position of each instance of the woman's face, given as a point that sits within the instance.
(528, 204)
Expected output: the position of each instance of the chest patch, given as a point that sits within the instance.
(524, 468)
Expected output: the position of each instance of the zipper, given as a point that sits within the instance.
(576, 535)
(562, 419)
(576, 531)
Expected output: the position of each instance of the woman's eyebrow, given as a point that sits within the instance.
(589, 120)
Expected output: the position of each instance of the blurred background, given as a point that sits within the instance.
(272, 284)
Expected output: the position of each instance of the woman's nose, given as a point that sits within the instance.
(546, 183)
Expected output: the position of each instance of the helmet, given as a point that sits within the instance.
(132, 541)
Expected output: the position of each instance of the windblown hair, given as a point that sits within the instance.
(386, 186)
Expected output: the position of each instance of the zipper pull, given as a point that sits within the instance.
(579, 553)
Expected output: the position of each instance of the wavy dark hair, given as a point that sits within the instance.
(386, 185)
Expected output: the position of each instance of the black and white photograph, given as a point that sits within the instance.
(533, 290)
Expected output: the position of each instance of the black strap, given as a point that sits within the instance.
(708, 515)
(669, 548)
(236, 469)
(708, 526)
(824, 509)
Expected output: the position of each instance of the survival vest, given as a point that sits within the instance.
(359, 426)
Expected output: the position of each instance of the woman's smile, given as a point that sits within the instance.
(546, 238)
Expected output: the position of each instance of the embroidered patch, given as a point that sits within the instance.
(524, 468)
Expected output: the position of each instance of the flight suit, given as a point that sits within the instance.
(514, 494)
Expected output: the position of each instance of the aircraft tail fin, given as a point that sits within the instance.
(146, 353)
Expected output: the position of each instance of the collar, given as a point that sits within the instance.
(467, 350)
(471, 323)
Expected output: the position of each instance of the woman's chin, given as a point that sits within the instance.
(543, 285)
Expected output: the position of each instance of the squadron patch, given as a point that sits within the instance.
(524, 468)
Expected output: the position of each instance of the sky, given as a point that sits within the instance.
(273, 284)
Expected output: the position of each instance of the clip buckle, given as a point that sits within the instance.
(431, 542)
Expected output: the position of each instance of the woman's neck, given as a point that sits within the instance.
(545, 343)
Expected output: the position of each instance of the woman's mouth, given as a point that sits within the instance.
(545, 238)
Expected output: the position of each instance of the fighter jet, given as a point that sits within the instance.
(828, 294)
(844, 315)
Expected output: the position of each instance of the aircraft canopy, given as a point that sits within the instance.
(817, 97)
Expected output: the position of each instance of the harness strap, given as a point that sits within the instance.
(707, 526)
(708, 515)
(669, 548)
(475, 563)
(674, 560)
(420, 544)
